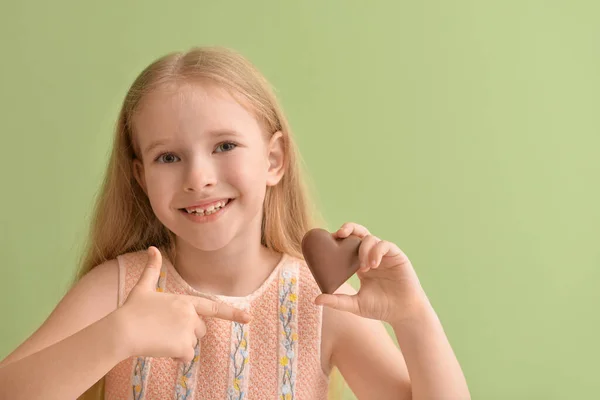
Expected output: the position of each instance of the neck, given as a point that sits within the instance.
(236, 270)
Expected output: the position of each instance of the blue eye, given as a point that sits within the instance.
(225, 146)
(167, 158)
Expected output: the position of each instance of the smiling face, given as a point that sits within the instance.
(202, 150)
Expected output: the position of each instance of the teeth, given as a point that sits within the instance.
(210, 210)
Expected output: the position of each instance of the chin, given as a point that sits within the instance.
(208, 242)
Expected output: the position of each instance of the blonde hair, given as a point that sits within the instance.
(123, 220)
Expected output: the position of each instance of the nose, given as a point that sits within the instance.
(199, 175)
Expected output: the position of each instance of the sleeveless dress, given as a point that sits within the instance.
(275, 356)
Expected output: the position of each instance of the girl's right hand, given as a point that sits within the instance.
(164, 324)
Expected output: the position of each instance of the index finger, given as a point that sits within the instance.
(211, 308)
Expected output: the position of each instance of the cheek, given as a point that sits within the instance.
(246, 173)
(158, 187)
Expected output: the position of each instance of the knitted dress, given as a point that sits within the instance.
(275, 356)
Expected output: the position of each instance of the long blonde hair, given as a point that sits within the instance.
(123, 220)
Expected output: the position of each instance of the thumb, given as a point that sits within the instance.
(151, 272)
(341, 302)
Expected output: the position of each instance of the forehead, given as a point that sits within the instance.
(191, 110)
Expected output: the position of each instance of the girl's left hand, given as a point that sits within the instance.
(389, 287)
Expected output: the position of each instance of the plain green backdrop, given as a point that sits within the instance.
(467, 132)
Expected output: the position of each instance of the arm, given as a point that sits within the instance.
(365, 354)
(66, 369)
(434, 370)
(390, 291)
(375, 368)
(74, 348)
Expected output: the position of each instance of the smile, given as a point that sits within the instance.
(207, 214)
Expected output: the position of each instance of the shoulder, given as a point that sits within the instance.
(299, 264)
(133, 261)
(308, 287)
(126, 261)
(130, 267)
(106, 276)
(103, 278)
(111, 281)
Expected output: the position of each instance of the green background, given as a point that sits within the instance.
(467, 132)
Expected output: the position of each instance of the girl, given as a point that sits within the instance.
(193, 283)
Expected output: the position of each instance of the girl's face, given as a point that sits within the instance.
(201, 150)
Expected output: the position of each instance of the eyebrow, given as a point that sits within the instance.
(217, 133)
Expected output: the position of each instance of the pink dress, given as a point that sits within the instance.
(275, 356)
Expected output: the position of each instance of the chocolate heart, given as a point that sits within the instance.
(331, 261)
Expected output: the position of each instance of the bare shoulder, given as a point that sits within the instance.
(93, 297)
(364, 352)
(96, 291)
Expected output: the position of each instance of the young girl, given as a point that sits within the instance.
(193, 284)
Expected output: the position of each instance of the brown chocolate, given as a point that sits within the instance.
(331, 261)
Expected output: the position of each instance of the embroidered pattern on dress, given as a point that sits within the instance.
(238, 365)
(288, 328)
(141, 367)
(186, 377)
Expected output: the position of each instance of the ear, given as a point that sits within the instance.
(138, 173)
(276, 159)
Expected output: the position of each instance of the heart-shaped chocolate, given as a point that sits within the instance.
(331, 261)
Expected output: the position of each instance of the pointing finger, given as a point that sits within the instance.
(210, 308)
